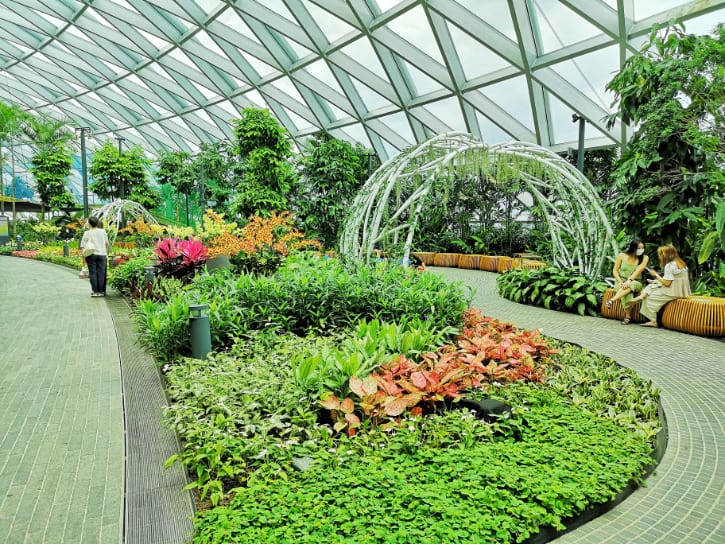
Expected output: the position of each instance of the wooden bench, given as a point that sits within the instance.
(703, 316)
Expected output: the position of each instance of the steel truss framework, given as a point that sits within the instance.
(169, 74)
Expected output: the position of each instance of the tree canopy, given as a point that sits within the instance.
(670, 176)
(118, 174)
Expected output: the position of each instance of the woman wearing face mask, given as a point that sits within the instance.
(627, 269)
(673, 283)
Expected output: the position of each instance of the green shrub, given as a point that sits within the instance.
(130, 276)
(554, 289)
(307, 294)
(240, 410)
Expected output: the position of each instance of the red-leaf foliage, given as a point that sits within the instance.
(487, 351)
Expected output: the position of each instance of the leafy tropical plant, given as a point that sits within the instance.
(331, 173)
(51, 159)
(329, 365)
(12, 117)
(553, 288)
(121, 175)
(181, 259)
(268, 177)
(485, 352)
(670, 174)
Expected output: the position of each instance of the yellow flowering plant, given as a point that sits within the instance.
(214, 226)
(262, 244)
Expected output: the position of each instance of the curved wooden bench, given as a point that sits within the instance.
(470, 262)
(617, 310)
(426, 256)
(488, 263)
(446, 259)
(527, 264)
(504, 264)
(703, 316)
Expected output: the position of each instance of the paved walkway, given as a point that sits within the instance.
(61, 410)
(81, 443)
(683, 502)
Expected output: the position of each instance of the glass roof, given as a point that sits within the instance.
(170, 74)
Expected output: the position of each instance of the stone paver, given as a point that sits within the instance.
(682, 502)
(61, 410)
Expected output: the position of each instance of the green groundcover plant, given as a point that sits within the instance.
(308, 293)
(268, 466)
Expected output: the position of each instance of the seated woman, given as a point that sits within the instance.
(674, 283)
(627, 268)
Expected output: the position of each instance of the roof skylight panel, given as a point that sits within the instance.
(559, 26)
(280, 8)
(413, 27)
(476, 59)
(229, 24)
(332, 27)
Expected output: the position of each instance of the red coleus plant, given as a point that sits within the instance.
(486, 351)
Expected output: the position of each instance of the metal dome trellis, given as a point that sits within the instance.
(386, 210)
(118, 212)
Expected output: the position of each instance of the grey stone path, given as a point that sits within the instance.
(61, 410)
(82, 447)
(683, 502)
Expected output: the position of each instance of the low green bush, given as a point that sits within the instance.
(130, 276)
(306, 294)
(553, 288)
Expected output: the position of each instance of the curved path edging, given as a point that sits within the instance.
(682, 502)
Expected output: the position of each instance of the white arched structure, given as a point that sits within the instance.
(386, 210)
(118, 212)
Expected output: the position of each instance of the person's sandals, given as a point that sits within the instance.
(650, 324)
(626, 321)
(608, 305)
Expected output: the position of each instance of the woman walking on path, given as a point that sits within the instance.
(95, 239)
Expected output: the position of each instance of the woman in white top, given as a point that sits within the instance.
(96, 239)
(674, 283)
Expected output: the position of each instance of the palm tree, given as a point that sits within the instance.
(11, 119)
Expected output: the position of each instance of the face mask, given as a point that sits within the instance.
(640, 252)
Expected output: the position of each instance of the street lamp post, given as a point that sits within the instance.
(12, 171)
(122, 188)
(580, 151)
(83, 131)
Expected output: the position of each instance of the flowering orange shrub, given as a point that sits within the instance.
(262, 243)
(140, 231)
(225, 244)
(276, 232)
